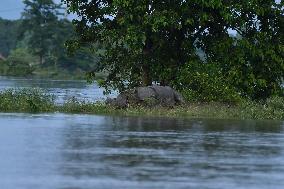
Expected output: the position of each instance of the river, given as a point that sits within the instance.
(64, 151)
(61, 89)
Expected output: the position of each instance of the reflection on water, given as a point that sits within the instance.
(62, 89)
(86, 152)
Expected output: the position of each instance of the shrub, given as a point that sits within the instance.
(275, 102)
(4, 67)
(203, 82)
(26, 100)
(73, 105)
(20, 63)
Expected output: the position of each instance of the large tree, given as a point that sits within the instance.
(148, 40)
(39, 20)
(82, 59)
(8, 35)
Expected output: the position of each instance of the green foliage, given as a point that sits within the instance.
(39, 19)
(8, 35)
(42, 32)
(203, 82)
(255, 69)
(4, 67)
(271, 108)
(19, 63)
(35, 101)
(73, 105)
(26, 100)
(275, 102)
(82, 59)
(58, 56)
(254, 61)
(147, 41)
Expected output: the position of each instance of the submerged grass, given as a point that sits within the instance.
(37, 101)
(26, 100)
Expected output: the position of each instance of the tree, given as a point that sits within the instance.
(148, 41)
(82, 59)
(39, 19)
(254, 62)
(20, 62)
(8, 35)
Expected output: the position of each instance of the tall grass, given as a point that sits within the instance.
(36, 101)
(73, 105)
(26, 100)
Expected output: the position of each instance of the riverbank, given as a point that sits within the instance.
(63, 74)
(44, 72)
(248, 110)
(35, 101)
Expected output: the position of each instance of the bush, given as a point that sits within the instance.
(20, 70)
(275, 102)
(203, 82)
(74, 105)
(20, 63)
(25, 100)
(4, 67)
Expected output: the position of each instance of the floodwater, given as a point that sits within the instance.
(64, 151)
(61, 89)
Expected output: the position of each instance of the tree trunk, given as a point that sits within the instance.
(146, 77)
(41, 59)
(146, 71)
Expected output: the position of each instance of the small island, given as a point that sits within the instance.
(173, 60)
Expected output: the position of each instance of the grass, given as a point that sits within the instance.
(36, 101)
(26, 100)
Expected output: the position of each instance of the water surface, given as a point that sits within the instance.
(61, 151)
(61, 89)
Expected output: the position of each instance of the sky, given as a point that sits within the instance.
(11, 9)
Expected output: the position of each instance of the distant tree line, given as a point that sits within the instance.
(38, 40)
(8, 36)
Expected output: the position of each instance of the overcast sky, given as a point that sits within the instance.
(11, 9)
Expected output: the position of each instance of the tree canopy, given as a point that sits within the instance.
(39, 19)
(35, 44)
(44, 31)
(153, 41)
(8, 36)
